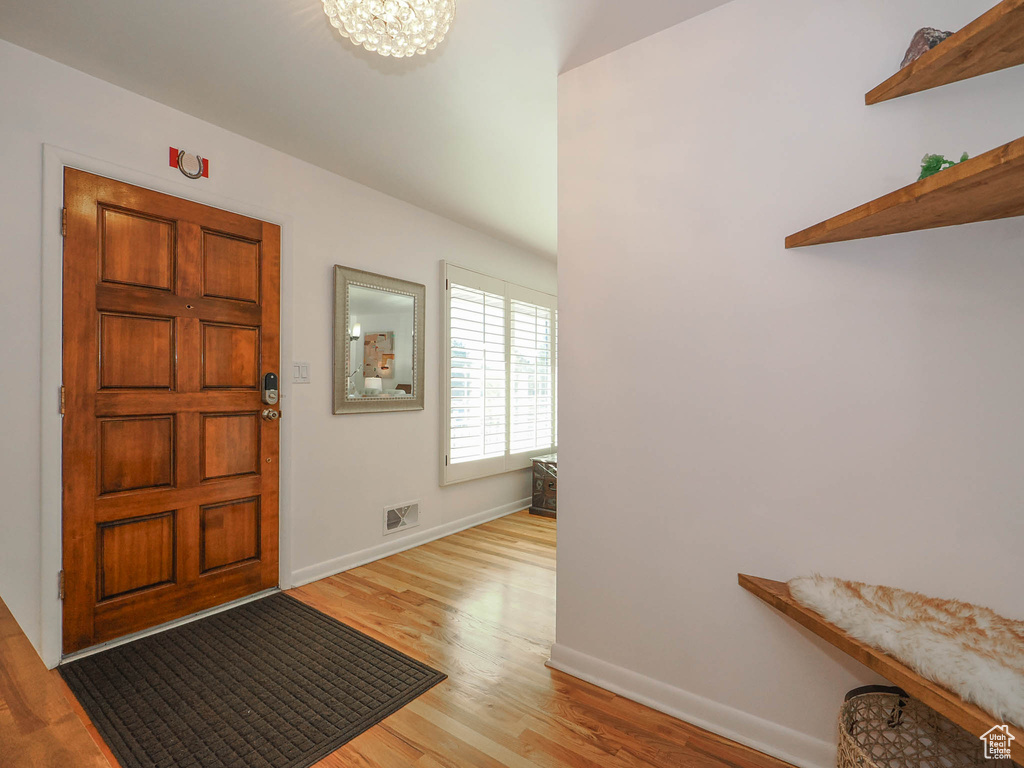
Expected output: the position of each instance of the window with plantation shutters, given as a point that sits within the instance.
(498, 379)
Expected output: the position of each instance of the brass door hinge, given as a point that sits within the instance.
(63, 400)
(63, 222)
(60, 584)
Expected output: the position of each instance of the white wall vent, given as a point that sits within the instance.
(401, 516)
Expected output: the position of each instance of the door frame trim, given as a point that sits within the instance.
(52, 350)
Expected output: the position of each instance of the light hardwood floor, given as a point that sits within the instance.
(37, 727)
(480, 606)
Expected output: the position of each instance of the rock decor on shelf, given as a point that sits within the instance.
(924, 40)
(932, 164)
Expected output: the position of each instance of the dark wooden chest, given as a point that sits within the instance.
(545, 485)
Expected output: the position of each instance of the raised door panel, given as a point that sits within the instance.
(136, 250)
(136, 352)
(230, 445)
(231, 268)
(133, 555)
(135, 453)
(229, 534)
(231, 356)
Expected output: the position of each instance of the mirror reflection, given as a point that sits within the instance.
(381, 342)
(378, 342)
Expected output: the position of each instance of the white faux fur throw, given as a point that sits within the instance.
(970, 650)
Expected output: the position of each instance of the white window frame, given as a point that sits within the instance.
(509, 462)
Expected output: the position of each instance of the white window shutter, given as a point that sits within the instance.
(532, 396)
(477, 369)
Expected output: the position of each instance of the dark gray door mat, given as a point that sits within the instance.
(270, 684)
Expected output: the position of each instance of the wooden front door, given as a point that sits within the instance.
(171, 318)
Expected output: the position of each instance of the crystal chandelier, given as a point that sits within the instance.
(392, 27)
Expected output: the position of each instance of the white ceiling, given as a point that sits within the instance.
(468, 131)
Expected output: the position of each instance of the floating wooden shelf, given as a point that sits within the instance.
(984, 188)
(968, 716)
(989, 43)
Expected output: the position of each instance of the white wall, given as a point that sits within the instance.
(854, 409)
(338, 489)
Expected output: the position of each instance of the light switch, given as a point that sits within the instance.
(300, 373)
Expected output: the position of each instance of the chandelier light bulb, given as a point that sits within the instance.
(392, 27)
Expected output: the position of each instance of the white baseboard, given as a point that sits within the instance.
(362, 557)
(763, 735)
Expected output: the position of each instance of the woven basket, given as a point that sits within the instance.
(885, 728)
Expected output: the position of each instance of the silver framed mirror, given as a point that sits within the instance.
(378, 342)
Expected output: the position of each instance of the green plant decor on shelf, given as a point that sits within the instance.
(932, 164)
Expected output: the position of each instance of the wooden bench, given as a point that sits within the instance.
(968, 716)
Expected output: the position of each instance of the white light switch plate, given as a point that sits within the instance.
(300, 373)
